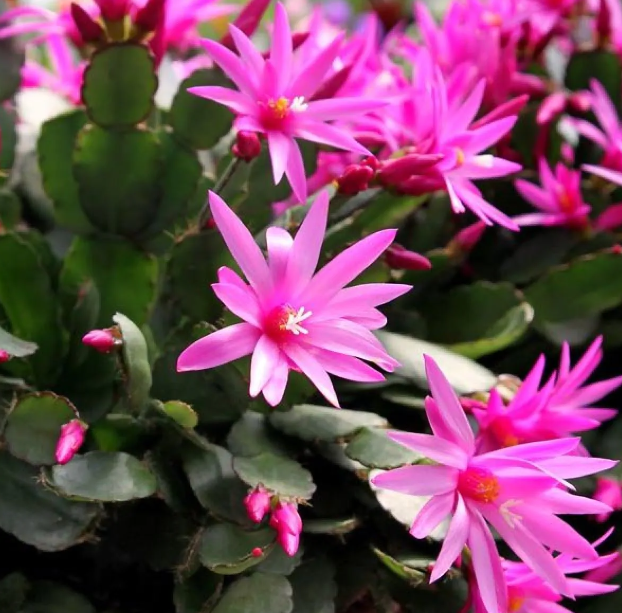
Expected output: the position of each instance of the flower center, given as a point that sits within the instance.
(275, 113)
(492, 19)
(460, 157)
(478, 484)
(283, 321)
(503, 431)
(515, 600)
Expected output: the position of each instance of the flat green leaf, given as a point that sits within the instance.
(413, 576)
(115, 200)
(331, 526)
(228, 550)
(373, 448)
(55, 148)
(198, 593)
(314, 586)
(104, 477)
(259, 593)
(196, 121)
(10, 207)
(584, 287)
(50, 597)
(119, 85)
(14, 346)
(33, 426)
(181, 413)
(278, 562)
(280, 475)
(36, 515)
(252, 435)
(135, 360)
(465, 375)
(125, 277)
(9, 140)
(315, 423)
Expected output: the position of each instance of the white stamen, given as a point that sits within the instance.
(298, 104)
(294, 321)
(511, 518)
(485, 161)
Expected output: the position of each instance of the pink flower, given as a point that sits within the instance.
(257, 504)
(275, 98)
(611, 569)
(518, 490)
(288, 525)
(608, 491)
(293, 318)
(72, 436)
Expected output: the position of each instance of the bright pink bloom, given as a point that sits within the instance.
(71, 438)
(610, 570)
(608, 491)
(519, 490)
(101, 340)
(293, 318)
(257, 504)
(288, 525)
(275, 98)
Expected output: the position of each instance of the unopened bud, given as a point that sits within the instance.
(150, 16)
(400, 258)
(103, 341)
(71, 437)
(355, 179)
(398, 170)
(4, 356)
(256, 552)
(257, 504)
(288, 525)
(247, 146)
(580, 101)
(467, 238)
(552, 106)
(603, 23)
(567, 153)
(89, 30)
(113, 10)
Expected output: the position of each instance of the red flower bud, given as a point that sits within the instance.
(399, 258)
(256, 552)
(101, 340)
(4, 356)
(150, 16)
(71, 438)
(355, 179)
(90, 31)
(257, 504)
(247, 146)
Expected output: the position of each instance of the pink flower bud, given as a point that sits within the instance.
(248, 20)
(400, 258)
(609, 492)
(567, 153)
(113, 10)
(247, 146)
(4, 356)
(150, 16)
(71, 438)
(551, 107)
(355, 179)
(89, 30)
(395, 171)
(257, 504)
(101, 340)
(467, 238)
(288, 525)
(580, 101)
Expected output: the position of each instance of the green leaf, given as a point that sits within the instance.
(11, 61)
(83, 313)
(314, 423)
(373, 448)
(119, 85)
(259, 593)
(279, 563)
(125, 277)
(14, 346)
(136, 362)
(227, 549)
(13, 591)
(210, 472)
(34, 514)
(604, 66)
(33, 426)
(118, 175)
(252, 435)
(32, 308)
(280, 475)
(198, 593)
(181, 413)
(9, 140)
(10, 208)
(314, 586)
(465, 376)
(105, 477)
(49, 597)
(196, 121)
(586, 286)
(55, 148)
(413, 576)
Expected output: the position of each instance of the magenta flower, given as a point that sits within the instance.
(275, 98)
(608, 491)
(520, 491)
(72, 436)
(293, 318)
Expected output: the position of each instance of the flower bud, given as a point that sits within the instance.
(150, 16)
(248, 20)
(551, 107)
(101, 340)
(400, 258)
(603, 23)
(257, 504)
(355, 179)
(89, 30)
(288, 525)
(72, 436)
(609, 492)
(247, 146)
(580, 102)
(466, 239)
(4, 356)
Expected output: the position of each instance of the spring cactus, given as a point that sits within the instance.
(221, 221)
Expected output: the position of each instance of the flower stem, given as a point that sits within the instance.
(220, 185)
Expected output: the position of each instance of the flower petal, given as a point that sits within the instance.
(278, 146)
(240, 302)
(232, 99)
(432, 447)
(281, 52)
(231, 66)
(275, 388)
(263, 363)
(454, 541)
(433, 512)
(419, 480)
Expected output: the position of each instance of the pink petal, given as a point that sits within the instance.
(536, 195)
(275, 388)
(295, 171)
(588, 130)
(432, 447)
(603, 108)
(280, 244)
(605, 173)
(372, 294)
(232, 67)
(312, 74)
(483, 138)
(464, 115)
(219, 347)
(347, 367)
(279, 146)
(230, 277)
(419, 480)
(240, 302)
(265, 359)
(560, 502)
(248, 52)
(536, 452)
(572, 467)
(454, 541)
(610, 219)
(325, 134)
(281, 53)
(341, 108)
(241, 244)
(433, 512)
(232, 99)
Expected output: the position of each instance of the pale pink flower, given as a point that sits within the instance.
(71, 438)
(519, 490)
(275, 98)
(608, 491)
(288, 525)
(293, 318)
